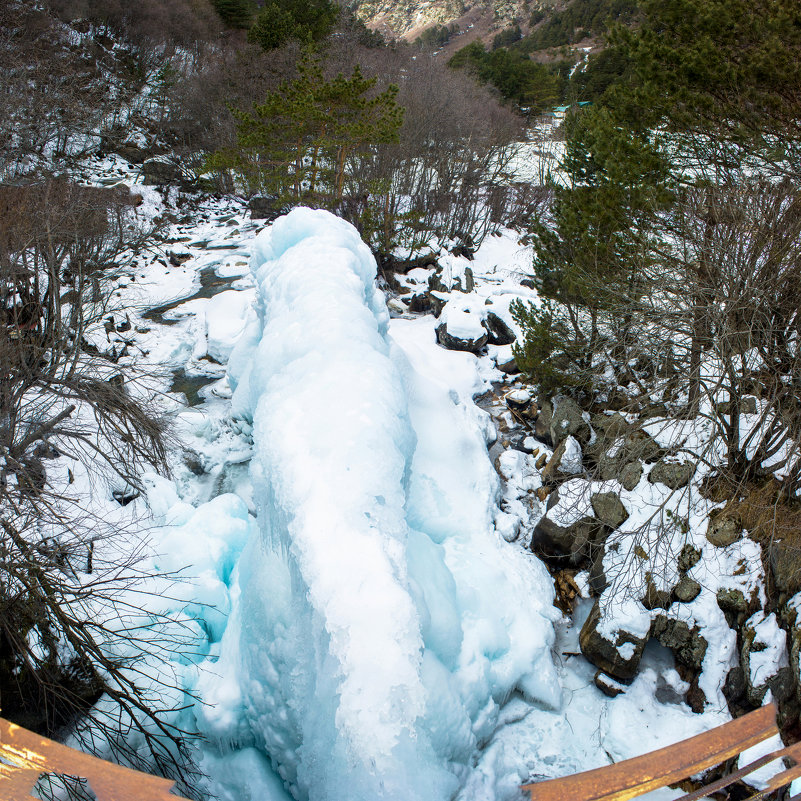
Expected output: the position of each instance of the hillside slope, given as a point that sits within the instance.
(408, 18)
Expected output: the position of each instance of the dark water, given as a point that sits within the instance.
(190, 386)
(211, 284)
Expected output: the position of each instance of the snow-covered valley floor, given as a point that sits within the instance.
(354, 622)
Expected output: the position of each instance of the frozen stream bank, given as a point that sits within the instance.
(378, 623)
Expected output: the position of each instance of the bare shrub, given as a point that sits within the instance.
(71, 627)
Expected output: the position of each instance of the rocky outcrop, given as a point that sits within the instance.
(160, 171)
(408, 20)
(672, 474)
(568, 420)
(499, 333)
(619, 659)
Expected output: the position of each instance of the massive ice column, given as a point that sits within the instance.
(379, 623)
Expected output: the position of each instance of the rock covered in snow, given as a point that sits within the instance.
(461, 328)
(764, 659)
(498, 331)
(618, 657)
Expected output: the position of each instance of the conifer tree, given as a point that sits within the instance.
(714, 93)
(235, 13)
(297, 145)
(281, 20)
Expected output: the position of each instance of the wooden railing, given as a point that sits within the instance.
(25, 756)
(634, 777)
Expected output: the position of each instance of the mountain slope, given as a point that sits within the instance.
(407, 18)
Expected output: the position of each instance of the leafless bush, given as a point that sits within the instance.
(70, 624)
(447, 179)
(182, 22)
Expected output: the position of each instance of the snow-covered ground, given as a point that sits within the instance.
(355, 622)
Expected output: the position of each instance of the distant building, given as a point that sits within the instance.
(559, 112)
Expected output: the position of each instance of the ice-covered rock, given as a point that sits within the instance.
(226, 319)
(379, 622)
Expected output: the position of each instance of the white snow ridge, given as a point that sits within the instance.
(378, 623)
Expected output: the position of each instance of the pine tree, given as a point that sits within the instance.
(234, 13)
(725, 75)
(298, 144)
(305, 20)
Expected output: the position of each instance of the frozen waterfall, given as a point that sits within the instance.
(378, 623)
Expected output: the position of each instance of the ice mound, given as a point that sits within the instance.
(378, 622)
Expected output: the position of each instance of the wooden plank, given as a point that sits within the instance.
(790, 774)
(633, 777)
(27, 755)
(792, 751)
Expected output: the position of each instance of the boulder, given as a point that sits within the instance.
(734, 686)
(160, 171)
(735, 606)
(420, 303)
(611, 426)
(470, 281)
(453, 341)
(518, 398)
(655, 598)
(132, 153)
(630, 475)
(674, 475)
(542, 425)
(265, 207)
(509, 367)
(609, 463)
(688, 558)
(461, 327)
(608, 686)
(687, 644)
(785, 566)
(609, 509)
(568, 421)
(619, 659)
(565, 461)
(639, 445)
(499, 333)
(597, 578)
(723, 530)
(573, 541)
(687, 590)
